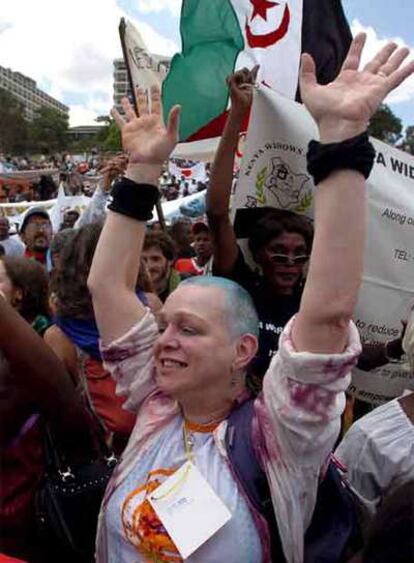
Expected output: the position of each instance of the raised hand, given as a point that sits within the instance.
(112, 169)
(146, 139)
(241, 85)
(344, 107)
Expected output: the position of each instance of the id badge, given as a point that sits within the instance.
(189, 509)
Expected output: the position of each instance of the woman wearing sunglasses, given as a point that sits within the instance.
(280, 241)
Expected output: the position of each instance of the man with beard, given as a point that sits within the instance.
(159, 256)
(36, 232)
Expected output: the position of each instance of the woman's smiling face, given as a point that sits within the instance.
(195, 349)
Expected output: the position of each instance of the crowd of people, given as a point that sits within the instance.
(23, 179)
(163, 398)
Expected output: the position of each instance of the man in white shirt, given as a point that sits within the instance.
(12, 245)
(378, 450)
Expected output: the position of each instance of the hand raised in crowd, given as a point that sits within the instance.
(343, 108)
(146, 139)
(241, 85)
(112, 169)
(394, 348)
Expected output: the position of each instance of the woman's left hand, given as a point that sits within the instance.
(344, 107)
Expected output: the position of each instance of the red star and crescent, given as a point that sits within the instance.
(261, 41)
(260, 8)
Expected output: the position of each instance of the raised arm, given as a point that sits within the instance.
(96, 209)
(221, 179)
(114, 271)
(42, 377)
(342, 110)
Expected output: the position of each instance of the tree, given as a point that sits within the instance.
(113, 139)
(103, 119)
(48, 130)
(385, 125)
(82, 145)
(13, 126)
(408, 142)
(109, 137)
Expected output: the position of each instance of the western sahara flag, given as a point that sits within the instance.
(221, 36)
(191, 171)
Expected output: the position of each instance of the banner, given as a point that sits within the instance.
(188, 170)
(144, 69)
(27, 175)
(58, 210)
(12, 210)
(55, 207)
(387, 293)
(190, 206)
(198, 150)
(274, 173)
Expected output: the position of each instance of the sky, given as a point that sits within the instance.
(68, 47)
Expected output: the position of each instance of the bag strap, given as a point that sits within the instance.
(103, 432)
(334, 519)
(249, 473)
(83, 381)
(51, 454)
(54, 458)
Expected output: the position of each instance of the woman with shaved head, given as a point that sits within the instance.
(182, 490)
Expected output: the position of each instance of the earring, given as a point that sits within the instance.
(233, 380)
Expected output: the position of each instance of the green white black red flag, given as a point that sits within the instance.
(221, 36)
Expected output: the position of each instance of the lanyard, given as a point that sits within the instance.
(188, 444)
(188, 447)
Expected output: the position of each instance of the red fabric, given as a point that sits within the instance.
(21, 468)
(215, 128)
(38, 256)
(107, 404)
(7, 559)
(187, 266)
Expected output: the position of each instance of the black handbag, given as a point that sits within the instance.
(68, 500)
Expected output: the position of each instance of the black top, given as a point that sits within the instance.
(274, 311)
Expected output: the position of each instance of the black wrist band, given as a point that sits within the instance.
(134, 200)
(356, 153)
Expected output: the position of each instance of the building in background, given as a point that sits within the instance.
(158, 64)
(26, 91)
(83, 132)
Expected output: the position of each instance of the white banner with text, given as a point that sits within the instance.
(273, 173)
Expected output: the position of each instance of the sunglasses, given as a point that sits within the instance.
(287, 259)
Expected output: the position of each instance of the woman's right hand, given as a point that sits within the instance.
(145, 138)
